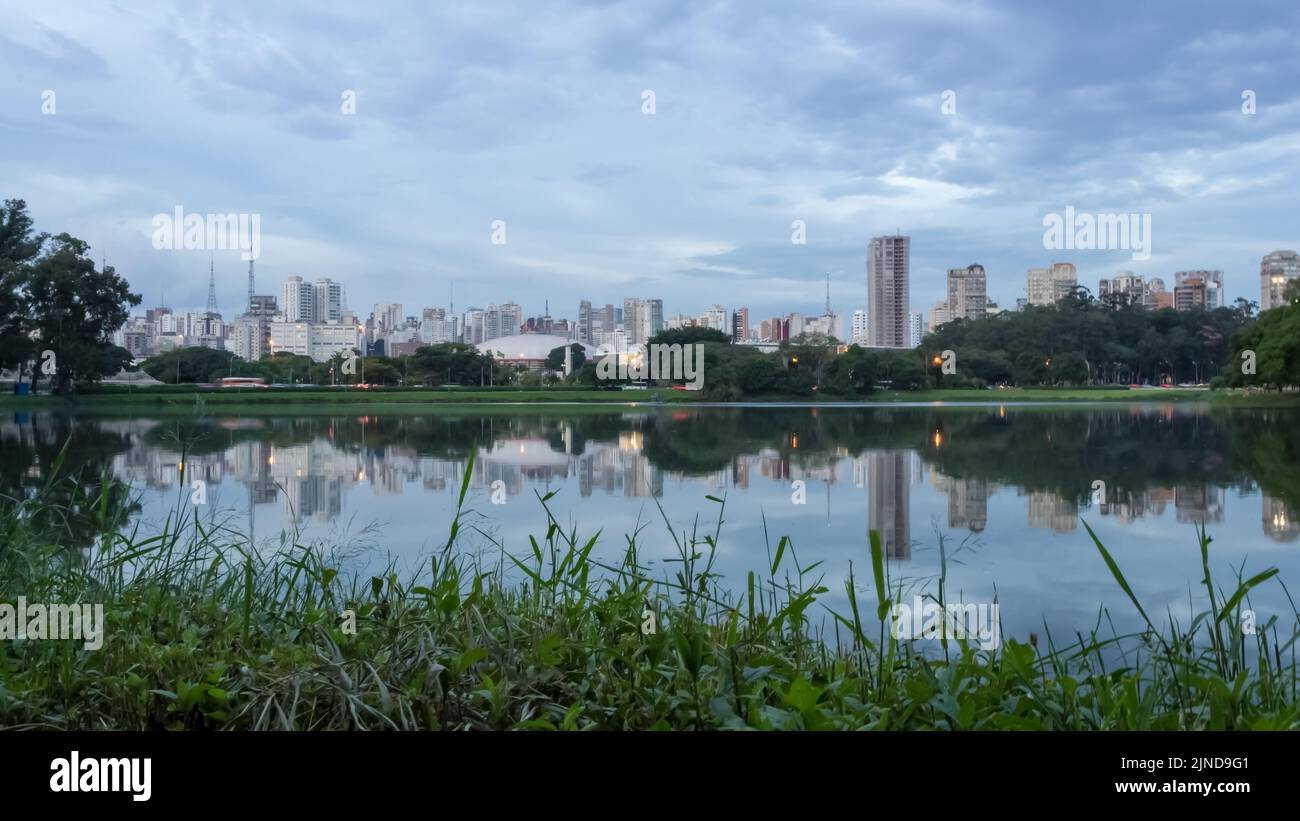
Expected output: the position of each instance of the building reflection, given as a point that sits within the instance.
(889, 482)
(312, 479)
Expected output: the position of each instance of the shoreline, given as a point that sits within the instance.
(314, 400)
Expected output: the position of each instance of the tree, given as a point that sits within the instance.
(555, 359)
(192, 365)
(18, 247)
(74, 309)
(454, 363)
(687, 335)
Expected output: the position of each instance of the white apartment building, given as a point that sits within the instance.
(318, 341)
(859, 328)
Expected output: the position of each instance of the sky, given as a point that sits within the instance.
(962, 125)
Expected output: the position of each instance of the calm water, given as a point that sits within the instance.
(1005, 488)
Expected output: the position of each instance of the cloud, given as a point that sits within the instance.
(765, 113)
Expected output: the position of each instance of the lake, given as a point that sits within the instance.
(997, 493)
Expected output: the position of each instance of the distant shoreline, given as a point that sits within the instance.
(308, 399)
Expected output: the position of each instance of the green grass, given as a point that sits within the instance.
(205, 632)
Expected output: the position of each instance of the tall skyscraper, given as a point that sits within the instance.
(584, 322)
(643, 318)
(327, 301)
(967, 292)
(297, 300)
(915, 325)
(1275, 271)
(654, 317)
(740, 325)
(888, 291)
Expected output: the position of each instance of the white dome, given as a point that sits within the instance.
(529, 346)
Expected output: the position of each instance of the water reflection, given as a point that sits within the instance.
(1151, 458)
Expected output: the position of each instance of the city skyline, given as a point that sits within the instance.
(601, 195)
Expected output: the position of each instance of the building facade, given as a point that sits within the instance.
(1275, 271)
(967, 292)
(888, 291)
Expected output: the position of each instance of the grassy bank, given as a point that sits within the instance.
(204, 632)
(286, 400)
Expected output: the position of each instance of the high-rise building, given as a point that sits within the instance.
(1154, 295)
(938, 315)
(437, 326)
(251, 332)
(502, 320)
(967, 292)
(264, 306)
(1275, 271)
(740, 325)
(655, 317)
(388, 319)
(1065, 278)
(327, 301)
(888, 291)
(1046, 286)
(914, 325)
(603, 320)
(584, 321)
(1189, 293)
(858, 335)
(298, 300)
(777, 329)
(1198, 289)
(1122, 289)
(794, 325)
(248, 338)
(472, 326)
(715, 317)
(643, 318)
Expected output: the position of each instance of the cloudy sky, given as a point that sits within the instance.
(533, 113)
